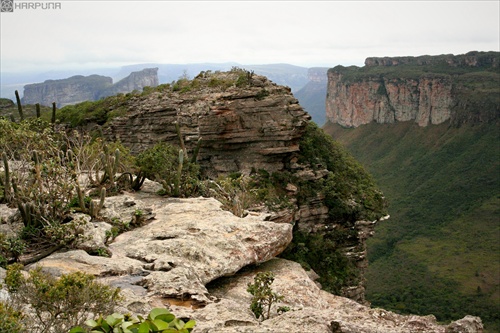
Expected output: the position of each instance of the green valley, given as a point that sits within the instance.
(439, 252)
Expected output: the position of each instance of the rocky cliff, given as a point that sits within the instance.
(147, 77)
(426, 89)
(75, 89)
(80, 88)
(257, 125)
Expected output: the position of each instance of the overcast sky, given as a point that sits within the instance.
(84, 34)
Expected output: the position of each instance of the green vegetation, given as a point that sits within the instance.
(55, 304)
(321, 253)
(98, 112)
(350, 191)
(439, 251)
(350, 195)
(10, 319)
(159, 320)
(166, 164)
(263, 296)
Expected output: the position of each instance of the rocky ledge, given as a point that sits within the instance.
(198, 260)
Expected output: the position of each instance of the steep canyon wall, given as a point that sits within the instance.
(427, 90)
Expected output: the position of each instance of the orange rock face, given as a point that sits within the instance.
(426, 100)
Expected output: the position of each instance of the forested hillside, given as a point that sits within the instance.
(439, 252)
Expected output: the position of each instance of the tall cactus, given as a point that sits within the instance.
(38, 174)
(194, 158)
(177, 181)
(37, 107)
(6, 183)
(53, 120)
(110, 165)
(181, 139)
(19, 106)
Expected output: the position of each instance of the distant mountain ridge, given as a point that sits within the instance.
(80, 88)
(295, 77)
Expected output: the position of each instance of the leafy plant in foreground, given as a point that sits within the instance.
(158, 320)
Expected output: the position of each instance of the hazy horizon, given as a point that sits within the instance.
(84, 34)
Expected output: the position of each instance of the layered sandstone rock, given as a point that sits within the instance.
(257, 126)
(426, 100)
(428, 90)
(188, 244)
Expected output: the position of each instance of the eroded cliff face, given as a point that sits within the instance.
(77, 89)
(427, 90)
(426, 100)
(256, 127)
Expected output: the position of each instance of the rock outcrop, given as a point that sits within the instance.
(80, 88)
(257, 126)
(427, 90)
(190, 243)
(242, 129)
(72, 90)
(189, 258)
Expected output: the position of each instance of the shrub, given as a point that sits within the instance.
(10, 249)
(58, 304)
(263, 296)
(164, 163)
(10, 319)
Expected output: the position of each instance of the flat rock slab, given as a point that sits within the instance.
(189, 243)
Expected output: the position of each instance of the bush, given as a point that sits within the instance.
(58, 304)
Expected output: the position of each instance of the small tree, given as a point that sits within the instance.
(263, 295)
